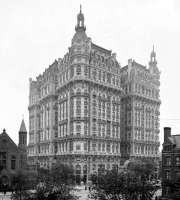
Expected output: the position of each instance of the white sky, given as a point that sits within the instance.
(35, 33)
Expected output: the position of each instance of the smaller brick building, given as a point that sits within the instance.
(170, 164)
(12, 157)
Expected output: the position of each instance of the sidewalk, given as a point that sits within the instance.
(81, 192)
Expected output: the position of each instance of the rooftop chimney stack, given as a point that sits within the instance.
(167, 133)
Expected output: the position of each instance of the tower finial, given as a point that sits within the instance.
(153, 61)
(80, 21)
(153, 54)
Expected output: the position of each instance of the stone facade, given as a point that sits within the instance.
(75, 109)
(140, 110)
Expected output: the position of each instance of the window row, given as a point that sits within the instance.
(141, 89)
(4, 161)
(168, 161)
(84, 146)
(44, 135)
(95, 74)
(147, 150)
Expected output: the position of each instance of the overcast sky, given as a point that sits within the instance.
(35, 33)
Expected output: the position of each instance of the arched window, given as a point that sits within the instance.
(78, 91)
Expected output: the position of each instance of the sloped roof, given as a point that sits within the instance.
(6, 142)
(23, 127)
(94, 46)
(175, 139)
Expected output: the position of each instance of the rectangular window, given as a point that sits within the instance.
(85, 146)
(3, 159)
(55, 148)
(72, 72)
(99, 147)
(78, 147)
(109, 78)
(108, 148)
(99, 75)
(86, 71)
(78, 128)
(99, 130)
(71, 146)
(103, 147)
(94, 74)
(168, 161)
(94, 128)
(108, 129)
(104, 76)
(78, 70)
(78, 107)
(94, 146)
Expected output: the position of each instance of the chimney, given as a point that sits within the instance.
(167, 133)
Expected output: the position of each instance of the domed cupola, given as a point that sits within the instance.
(80, 35)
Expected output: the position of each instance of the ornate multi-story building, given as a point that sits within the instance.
(140, 110)
(75, 108)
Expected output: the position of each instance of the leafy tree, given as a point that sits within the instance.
(139, 167)
(62, 174)
(54, 184)
(43, 175)
(108, 185)
(129, 185)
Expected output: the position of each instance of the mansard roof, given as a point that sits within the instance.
(94, 46)
(135, 64)
(51, 69)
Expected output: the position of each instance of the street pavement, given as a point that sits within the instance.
(158, 193)
(81, 192)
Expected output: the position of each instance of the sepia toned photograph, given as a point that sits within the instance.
(89, 106)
